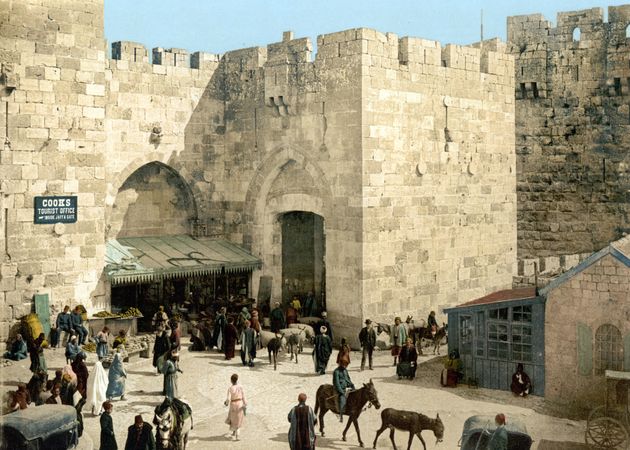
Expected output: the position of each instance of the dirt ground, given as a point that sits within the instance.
(271, 394)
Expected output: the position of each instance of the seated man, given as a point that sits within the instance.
(18, 349)
(73, 348)
(407, 361)
(452, 372)
(341, 383)
(521, 383)
(77, 325)
(64, 323)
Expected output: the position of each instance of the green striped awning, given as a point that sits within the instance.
(152, 258)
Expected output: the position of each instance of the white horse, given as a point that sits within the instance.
(173, 420)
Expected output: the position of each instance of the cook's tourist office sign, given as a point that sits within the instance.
(62, 209)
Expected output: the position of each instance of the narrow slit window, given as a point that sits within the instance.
(628, 31)
(617, 86)
(535, 89)
(523, 91)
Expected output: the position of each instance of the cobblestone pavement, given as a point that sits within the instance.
(271, 394)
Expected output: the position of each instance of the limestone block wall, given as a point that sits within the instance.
(439, 197)
(572, 123)
(159, 112)
(594, 297)
(53, 145)
(292, 142)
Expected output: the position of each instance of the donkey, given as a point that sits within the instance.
(327, 399)
(295, 343)
(173, 420)
(412, 422)
(425, 333)
(273, 347)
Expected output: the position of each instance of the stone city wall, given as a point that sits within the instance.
(439, 196)
(572, 130)
(53, 144)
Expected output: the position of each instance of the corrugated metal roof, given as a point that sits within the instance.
(146, 259)
(502, 296)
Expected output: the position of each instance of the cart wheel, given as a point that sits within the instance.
(606, 433)
(596, 413)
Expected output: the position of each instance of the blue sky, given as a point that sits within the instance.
(219, 26)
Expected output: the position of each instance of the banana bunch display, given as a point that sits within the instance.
(106, 315)
(89, 347)
(131, 312)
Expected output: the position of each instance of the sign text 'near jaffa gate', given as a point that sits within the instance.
(58, 209)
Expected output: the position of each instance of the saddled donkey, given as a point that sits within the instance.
(173, 420)
(421, 333)
(412, 422)
(327, 399)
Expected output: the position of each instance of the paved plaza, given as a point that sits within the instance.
(271, 395)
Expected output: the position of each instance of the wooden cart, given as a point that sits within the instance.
(608, 425)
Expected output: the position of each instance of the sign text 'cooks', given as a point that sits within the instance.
(58, 209)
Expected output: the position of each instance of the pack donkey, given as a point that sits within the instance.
(173, 420)
(412, 422)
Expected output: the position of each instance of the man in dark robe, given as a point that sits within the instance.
(303, 421)
(139, 436)
(407, 361)
(20, 398)
(309, 304)
(248, 344)
(36, 352)
(277, 318)
(81, 371)
(231, 334)
(521, 383)
(18, 349)
(322, 351)
(176, 335)
(367, 338)
(160, 347)
(432, 323)
(218, 333)
(324, 323)
(108, 439)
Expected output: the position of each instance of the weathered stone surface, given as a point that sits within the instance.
(571, 129)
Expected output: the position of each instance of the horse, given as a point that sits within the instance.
(273, 347)
(425, 333)
(173, 420)
(327, 399)
(412, 422)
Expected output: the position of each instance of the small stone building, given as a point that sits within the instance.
(496, 332)
(587, 327)
(577, 327)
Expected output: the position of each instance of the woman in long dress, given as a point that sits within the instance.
(237, 407)
(81, 370)
(116, 378)
(97, 389)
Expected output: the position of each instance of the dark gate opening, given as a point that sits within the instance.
(303, 258)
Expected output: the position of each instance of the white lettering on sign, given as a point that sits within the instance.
(56, 202)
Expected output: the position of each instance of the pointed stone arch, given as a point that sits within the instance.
(312, 194)
(135, 177)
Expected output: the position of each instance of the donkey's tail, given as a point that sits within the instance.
(317, 402)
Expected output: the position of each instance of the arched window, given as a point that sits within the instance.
(608, 349)
(576, 34)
